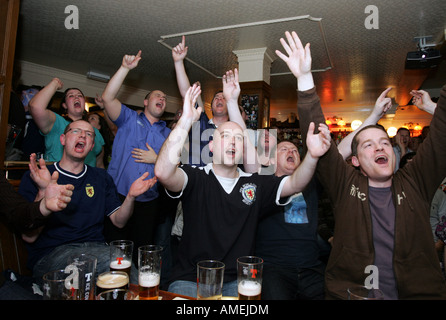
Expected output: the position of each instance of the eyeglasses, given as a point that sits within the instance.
(78, 131)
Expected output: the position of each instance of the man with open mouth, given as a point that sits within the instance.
(138, 134)
(382, 236)
(78, 228)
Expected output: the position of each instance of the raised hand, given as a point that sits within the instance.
(56, 197)
(231, 85)
(318, 144)
(131, 61)
(58, 84)
(99, 101)
(141, 185)
(298, 58)
(382, 104)
(41, 176)
(189, 111)
(179, 52)
(422, 100)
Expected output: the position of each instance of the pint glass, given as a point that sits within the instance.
(149, 274)
(121, 255)
(249, 277)
(210, 274)
(112, 280)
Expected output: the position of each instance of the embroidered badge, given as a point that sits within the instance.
(89, 190)
(248, 191)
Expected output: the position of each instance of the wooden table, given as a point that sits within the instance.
(165, 295)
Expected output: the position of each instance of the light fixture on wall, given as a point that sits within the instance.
(341, 123)
(391, 131)
(98, 76)
(356, 124)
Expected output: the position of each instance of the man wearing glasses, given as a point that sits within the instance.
(79, 227)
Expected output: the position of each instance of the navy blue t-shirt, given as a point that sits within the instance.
(289, 237)
(94, 197)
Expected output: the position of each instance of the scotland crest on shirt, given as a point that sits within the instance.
(248, 191)
(89, 190)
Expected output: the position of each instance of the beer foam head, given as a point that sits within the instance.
(112, 280)
(149, 279)
(120, 264)
(249, 288)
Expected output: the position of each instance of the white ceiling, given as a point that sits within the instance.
(361, 62)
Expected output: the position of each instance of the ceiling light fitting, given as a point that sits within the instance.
(98, 76)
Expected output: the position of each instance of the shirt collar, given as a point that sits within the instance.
(141, 115)
(207, 168)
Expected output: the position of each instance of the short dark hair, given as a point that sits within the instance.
(355, 140)
(147, 95)
(66, 91)
(402, 129)
(213, 97)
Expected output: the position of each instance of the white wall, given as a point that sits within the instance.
(39, 75)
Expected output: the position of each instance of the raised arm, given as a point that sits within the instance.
(231, 92)
(113, 128)
(166, 166)
(111, 104)
(38, 106)
(298, 60)
(318, 145)
(179, 53)
(120, 217)
(382, 105)
(54, 197)
(423, 101)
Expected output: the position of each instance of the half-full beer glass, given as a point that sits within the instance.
(121, 255)
(149, 273)
(249, 277)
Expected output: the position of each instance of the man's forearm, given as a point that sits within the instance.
(111, 104)
(301, 176)
(305, 82)
(123, 214)
(170, 153)
(182, 78)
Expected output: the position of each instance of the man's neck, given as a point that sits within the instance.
(150, 117)
(69, 165)
(380, 183)
(218, 120)
(225, 171)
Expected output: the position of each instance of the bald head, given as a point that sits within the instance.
(227, 144)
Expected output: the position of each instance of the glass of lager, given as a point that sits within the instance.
(210, 275)
(149, 273)
(121, 255)
(112, 280)
(249, 277)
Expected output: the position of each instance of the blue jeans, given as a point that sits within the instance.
(58, 258)
(189, 288)
(285, 283)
